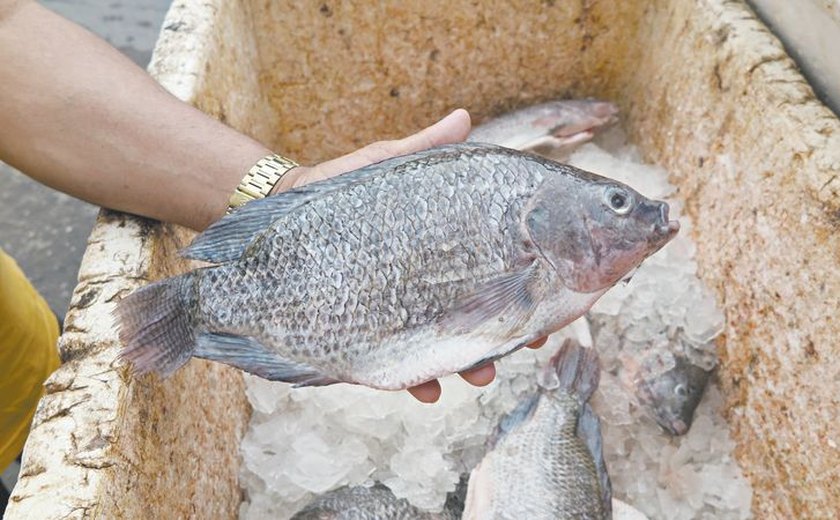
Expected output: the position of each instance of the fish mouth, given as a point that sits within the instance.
(665, 229)
(583, 130)
(671, 228)
(672, 425)
(572, 138)
(677, 427)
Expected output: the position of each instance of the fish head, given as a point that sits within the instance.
(673, 396)
(595, 230)
(561, 126)
(564, 119)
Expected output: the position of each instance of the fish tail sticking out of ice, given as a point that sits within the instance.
(397, 273)
(576, 369)
(546, 460)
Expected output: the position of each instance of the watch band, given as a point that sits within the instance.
(260, 180)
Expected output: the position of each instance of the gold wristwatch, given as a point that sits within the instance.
(260, 180)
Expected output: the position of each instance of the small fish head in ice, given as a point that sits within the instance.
(594, 230)
(673, 396)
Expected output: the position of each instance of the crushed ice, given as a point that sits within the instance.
(307, 441)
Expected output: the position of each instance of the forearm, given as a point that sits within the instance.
(78, 116)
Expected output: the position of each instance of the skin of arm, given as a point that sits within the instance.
(78, 116)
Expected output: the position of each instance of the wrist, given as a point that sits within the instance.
(289, 181)
(262, 179)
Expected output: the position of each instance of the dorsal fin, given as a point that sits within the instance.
(228, 238)
(589, 431)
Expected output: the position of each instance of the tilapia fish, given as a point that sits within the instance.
(551, 129)
(373, 503)
(673, 396)
(546, 461)
(666, 373)
(397, 273)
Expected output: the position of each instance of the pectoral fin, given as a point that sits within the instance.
(506, 300)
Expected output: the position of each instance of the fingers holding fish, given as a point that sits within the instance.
(537, 343)
(428, 392)
(481, 375)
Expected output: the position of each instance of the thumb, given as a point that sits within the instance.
(451, 129)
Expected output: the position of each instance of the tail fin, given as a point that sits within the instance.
(155, 326)
(577, 369)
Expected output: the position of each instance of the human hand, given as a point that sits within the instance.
(429, 392)
(452, 129)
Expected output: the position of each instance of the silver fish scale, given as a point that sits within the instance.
(361, 503)
(556, 476)
(373, 261)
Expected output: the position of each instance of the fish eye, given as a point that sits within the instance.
(619, 201)
(681, 390)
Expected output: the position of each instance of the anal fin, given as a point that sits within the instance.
(249, 355)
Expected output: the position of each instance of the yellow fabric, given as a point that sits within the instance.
(28, 355)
